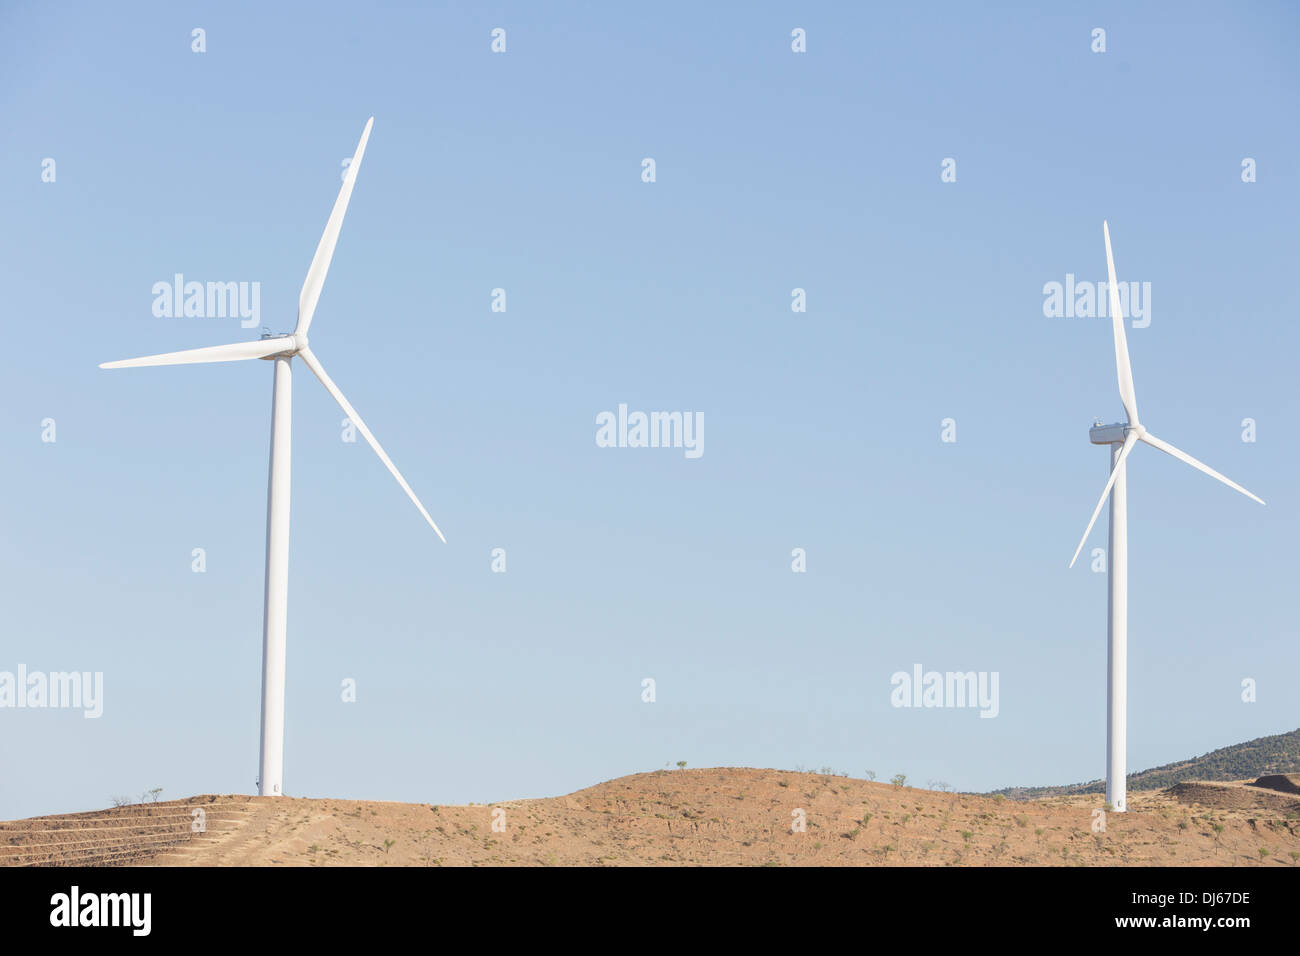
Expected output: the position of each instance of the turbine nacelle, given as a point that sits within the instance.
(1115, 434)
(294, 342)
(1100, 434)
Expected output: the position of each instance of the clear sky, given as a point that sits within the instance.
(522, 170)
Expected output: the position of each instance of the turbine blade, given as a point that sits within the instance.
(1125, 370)
(1129, 441)
(320, 263)
(314, 364)
(1181, 455)
(234, 352)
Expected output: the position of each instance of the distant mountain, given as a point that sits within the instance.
(1277, 754)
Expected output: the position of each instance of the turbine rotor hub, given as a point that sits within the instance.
(293, 344)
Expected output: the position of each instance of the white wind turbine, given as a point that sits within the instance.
(282, 348)
(1121, 438)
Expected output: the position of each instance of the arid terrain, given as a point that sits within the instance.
(724, 816)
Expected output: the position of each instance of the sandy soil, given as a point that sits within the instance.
(733, 816)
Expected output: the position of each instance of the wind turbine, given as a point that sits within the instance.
(281, 349)
(1121, 438)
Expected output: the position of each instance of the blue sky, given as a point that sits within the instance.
(522, 171)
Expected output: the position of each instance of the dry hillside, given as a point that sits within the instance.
(1275, 754)
(722, 816)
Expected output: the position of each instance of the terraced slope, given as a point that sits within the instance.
(129, 834)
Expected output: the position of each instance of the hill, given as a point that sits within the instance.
(721, 816)
(1279, 753)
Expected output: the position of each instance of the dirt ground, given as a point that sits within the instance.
(736, 816)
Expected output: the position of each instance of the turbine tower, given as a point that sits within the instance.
(1121, 438)
(281, 349)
